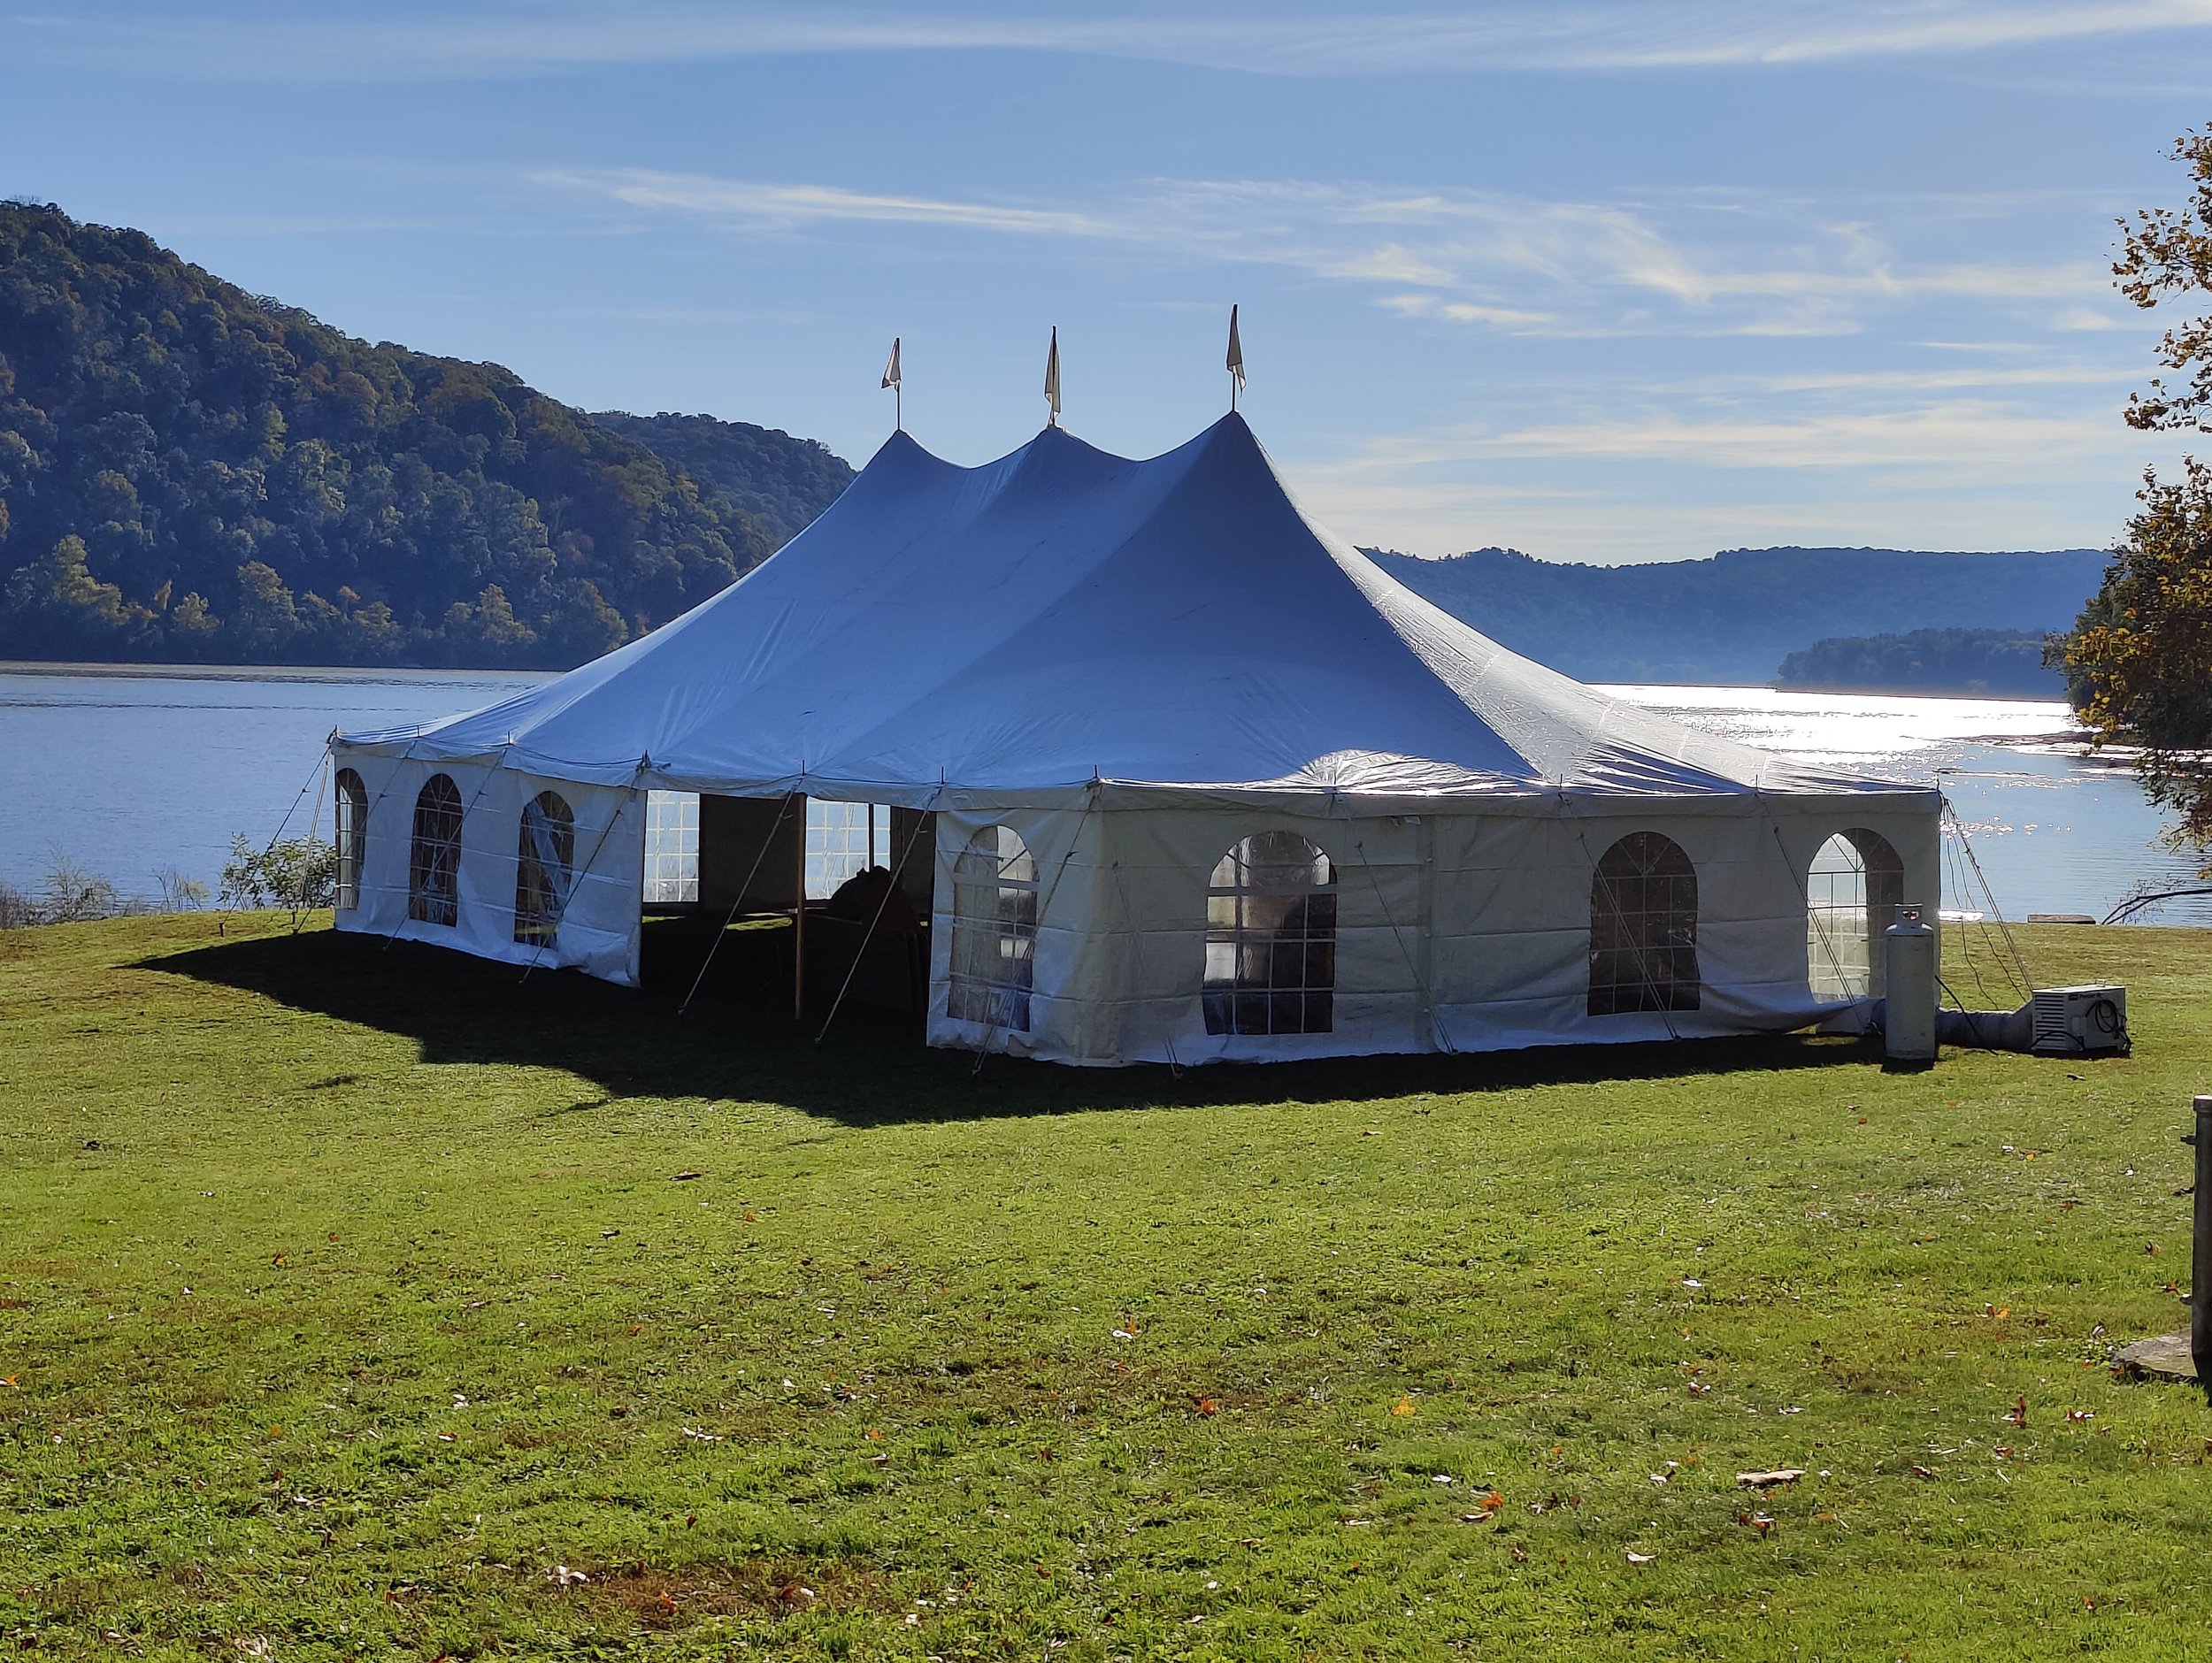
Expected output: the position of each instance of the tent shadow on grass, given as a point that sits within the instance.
(738, 1041)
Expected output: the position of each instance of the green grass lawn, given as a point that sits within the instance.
(370, 1302)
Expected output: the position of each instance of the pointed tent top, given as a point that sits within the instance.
(1175, 627)
(1052, 378)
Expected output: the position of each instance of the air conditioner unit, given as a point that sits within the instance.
(2080, 1021)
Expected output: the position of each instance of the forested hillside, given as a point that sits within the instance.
(1993, 661)
(190, 473)
(780, 482)
(1733, 619)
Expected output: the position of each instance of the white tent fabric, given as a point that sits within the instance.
(1133, 663)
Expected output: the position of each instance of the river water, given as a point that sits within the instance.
(128, 772)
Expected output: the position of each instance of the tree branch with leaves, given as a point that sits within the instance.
(2139, 660)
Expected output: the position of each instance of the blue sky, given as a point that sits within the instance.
(1603, 283)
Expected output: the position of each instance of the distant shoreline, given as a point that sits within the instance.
(371, 673)
(261, 673)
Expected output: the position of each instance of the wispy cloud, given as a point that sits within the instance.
(401, 43)
(1485, 259)
(1946, 436)
(1965, 474)
(756, 204)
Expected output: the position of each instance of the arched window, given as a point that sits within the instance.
(1851, 897)
(1271, 938)
(1643, 928)
(545, 863)
(994, 930)
(434, 860)
(351, 820)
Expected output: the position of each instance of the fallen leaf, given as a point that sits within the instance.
(1520, 1554)
(1209, 1406)
(685, 1176)
(2081, 1415)
(1760, 1521)
(1634, 1557)
(2018, 1415)
(1404, 1406)
(565, 1577)
(1922, 1471)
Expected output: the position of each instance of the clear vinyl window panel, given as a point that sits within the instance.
(349, 822)
(671, 848)
(1271, 938)
(434, 857)
(994, 930)
(1852, 894)
(545, 867)
(1643, 928)
(842, 840)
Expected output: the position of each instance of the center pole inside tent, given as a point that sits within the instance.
(798, 923)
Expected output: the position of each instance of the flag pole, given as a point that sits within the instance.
(1052, 379)
(1235, 361)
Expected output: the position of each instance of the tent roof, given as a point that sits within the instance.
(1063, 618)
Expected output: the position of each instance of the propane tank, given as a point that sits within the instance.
(1909, 1012)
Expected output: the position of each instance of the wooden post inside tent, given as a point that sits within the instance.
(798, 921)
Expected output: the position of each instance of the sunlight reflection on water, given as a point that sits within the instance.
(128, 770)
(2053, 831)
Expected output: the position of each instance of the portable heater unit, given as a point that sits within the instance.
(2080, 1021)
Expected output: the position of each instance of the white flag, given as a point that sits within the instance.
(1236, 351)
(1052, 376)
(891, 370)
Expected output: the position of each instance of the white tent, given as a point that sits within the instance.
(1183, 777)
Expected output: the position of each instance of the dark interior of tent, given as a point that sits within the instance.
(837, 896)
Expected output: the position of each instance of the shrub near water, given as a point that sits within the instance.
(375, 1301)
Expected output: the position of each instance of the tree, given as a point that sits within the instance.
(299, 874)
(2138, 661)
(2165, 252)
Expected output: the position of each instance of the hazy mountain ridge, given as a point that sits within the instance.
(191, 472)
(1734, 617)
